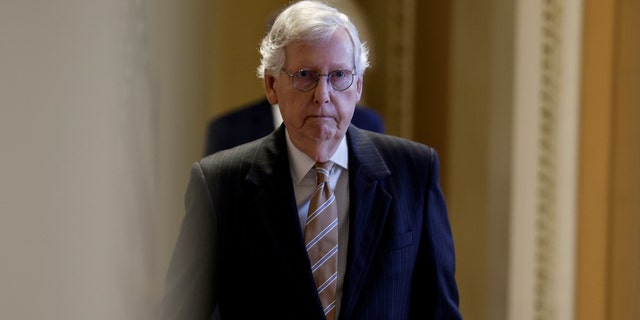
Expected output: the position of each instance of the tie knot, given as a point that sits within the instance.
(322, 171)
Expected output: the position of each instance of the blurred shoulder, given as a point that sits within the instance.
(390, 145)
(368, 119)
(241, 114)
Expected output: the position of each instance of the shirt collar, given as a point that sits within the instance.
(302, 163)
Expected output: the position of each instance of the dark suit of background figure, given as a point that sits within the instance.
(256, 121)
(400, 258)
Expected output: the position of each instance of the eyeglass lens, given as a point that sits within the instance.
(306, 80)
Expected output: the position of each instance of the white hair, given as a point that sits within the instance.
(307, 21)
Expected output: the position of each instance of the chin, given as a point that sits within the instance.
(321, 134)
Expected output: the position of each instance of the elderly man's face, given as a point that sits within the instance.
(321, 114)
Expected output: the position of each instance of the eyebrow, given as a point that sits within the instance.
(330, 70)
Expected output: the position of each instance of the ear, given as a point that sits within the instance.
(359, 85)
(269, 89)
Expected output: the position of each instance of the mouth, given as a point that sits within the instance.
(318, 118)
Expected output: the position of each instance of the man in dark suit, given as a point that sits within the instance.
(243, 246)
(257, 120)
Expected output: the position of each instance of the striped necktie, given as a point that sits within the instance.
(321, 239)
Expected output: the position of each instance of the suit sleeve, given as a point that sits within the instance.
(189, 291)
(435, 271)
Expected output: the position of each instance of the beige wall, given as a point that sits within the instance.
(608, 257)
(235, 35)
(101, 115)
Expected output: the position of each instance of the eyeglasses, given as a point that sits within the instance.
(306, 80)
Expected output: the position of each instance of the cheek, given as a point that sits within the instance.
(345, 115)
(348, 106)
(290, 114)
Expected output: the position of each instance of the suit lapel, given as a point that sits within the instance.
(273, 201)
(369, 202)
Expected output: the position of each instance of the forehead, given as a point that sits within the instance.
(337, 50)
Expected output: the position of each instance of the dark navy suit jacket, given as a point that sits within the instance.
(255, 121)
(241, 247)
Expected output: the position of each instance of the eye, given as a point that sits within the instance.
(304, 74)
(339, 74)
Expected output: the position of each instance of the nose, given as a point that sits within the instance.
(321, 92)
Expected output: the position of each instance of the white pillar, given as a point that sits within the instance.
(545, 130)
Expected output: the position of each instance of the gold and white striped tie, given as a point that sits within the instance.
(321, 238)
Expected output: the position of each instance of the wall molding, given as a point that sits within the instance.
(400, 64)
(545, 160)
